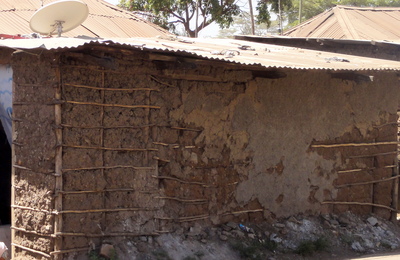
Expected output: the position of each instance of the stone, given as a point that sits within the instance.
(356, 246)
(141, 247)
(274, 237)
(251, 235)
(226, 227)
(238, 233)
(223, 237)
(279, 225)
(204, 241)
(232, 225)
(143, 238)
(334, 222)
(226, 233)
(106, 250)
(372, 221)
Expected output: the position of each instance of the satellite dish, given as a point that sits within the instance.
(58, 17)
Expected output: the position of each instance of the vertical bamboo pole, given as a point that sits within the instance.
(102, 93)
(13, 185)
(146, 133)
(395, 194)
(58, 203)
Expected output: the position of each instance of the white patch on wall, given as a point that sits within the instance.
(6, 99)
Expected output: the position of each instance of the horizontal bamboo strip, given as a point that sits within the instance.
(106, 190)
(390, 166)
(32, 85)
(179, 180)
(104, 210)
(33, 209)
(29, 169)
(111, 105)
(32, 232)
(356, 170)
(66, 251)
(352, 144)
(110, 89)
(242, 212)
(185, 219)
(159, 159)
(116, 234)
(31, 250)
(183, 200)
(358, 203)
(372, 155)
(185, 128)
(111, 148)
(22, 103)
(367, 182)
(107, 127)
(108, 168)
(390, 123)
(159, 81)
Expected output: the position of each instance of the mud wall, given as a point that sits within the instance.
(151, 143)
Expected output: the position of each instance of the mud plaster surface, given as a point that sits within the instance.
(217, 147)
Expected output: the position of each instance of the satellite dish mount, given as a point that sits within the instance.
(58, 17)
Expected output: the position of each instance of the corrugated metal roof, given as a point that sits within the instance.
(345, 22)
(105, 20)
(227, 50)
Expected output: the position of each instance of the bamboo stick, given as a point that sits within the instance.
(33, 209)
(159, 159)
(179, 180)
(29, 169)
(31, 250)
(116, 234)
(111, 105)
(106, 127)
(159, 81)
(183, 200)
(111, 89)
(193, 219)
(95, 191)
(65, 251)
(352, 144)
(359, 204)
(356, 170)
(185, 128)
(366, 182)
(104, 210)
(243, 211)
(32, 232)
(112, 149)
(390, 123)
(13, 184)
(371, 155)
(58, 201)
(108, 168)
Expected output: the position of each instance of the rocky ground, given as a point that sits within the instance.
(323, 237)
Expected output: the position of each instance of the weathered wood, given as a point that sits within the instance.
(352, 144)
(58, 203)
(179, 180)
(32, 232)
(112, 149)
(110, 105)
(359, 204)
(111, 89)
(105, 210)
(31, 250)
(366, 182)
(108, 167)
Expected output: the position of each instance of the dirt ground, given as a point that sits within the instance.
(344, 236)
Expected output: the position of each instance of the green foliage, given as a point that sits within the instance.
(170, 12)
(309, 247)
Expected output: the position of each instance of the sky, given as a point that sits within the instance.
(211, 30)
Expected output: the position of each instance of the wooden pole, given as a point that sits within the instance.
(253, 32)
(58, 203)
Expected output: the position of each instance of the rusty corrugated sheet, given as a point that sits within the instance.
(225, 50)
(344, 22)
(105, 20)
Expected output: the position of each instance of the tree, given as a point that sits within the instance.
(169, 13)
(242, 25)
